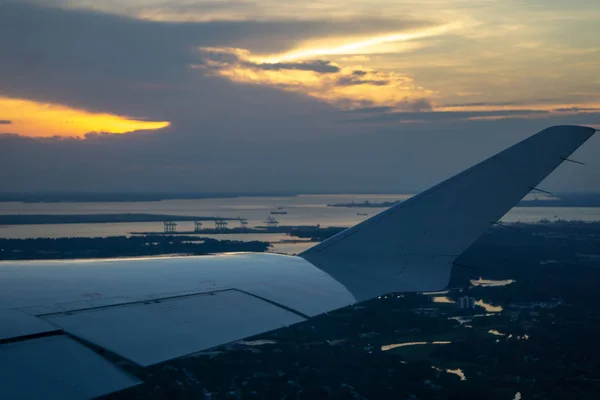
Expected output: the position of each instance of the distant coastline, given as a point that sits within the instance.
(366, 204)
(43, 219)
(160, 245)
(564, 199)
(121, 246)
(116, 197)
(559, 200)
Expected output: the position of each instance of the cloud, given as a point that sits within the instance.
(497, 103)
(141, 69)
(256, 34)
(321, 66)
(407, 107)
(232, 136)
(368, 110)
(223, 58)
(404, 107)
(352, 80)
(394, 158)
(345, 88)
(415, 105)
(240, 10)
(5, 122)
(421, 114)
(577, 109)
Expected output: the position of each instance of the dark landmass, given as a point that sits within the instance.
(564, 199)
(558, 200)
(533, 251)
(316, 234)
(366, 204)
(543, 342)
(120, 246)
(41, 219)
(125, 197)
(303, 231)
(214, 231)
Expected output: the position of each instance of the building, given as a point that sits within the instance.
(466, 302)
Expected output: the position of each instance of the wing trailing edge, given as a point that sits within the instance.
(411, 246)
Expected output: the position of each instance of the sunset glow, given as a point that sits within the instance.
(476, 61)
(364, 46)
(30, 118)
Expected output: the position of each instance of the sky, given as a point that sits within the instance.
(287, 96)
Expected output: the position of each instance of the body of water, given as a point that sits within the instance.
(489, 307)
(490, 282)
(458, 372)
(301, 210)
(405, 344)
(443, 299)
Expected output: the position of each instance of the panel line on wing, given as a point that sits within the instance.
(147, 333)
(147, 301)
(284, 307)
(32, 336)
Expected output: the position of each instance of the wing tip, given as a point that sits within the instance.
(581, 128)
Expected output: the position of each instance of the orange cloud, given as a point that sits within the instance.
(344, 87)
(30, 118)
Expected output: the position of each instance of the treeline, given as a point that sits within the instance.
(120, 246)
(316, 234)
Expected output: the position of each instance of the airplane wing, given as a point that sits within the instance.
(411, 246)
(70, 326)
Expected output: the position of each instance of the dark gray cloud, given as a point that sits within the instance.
(141, 69)
(415, 105)
(438, 116)
(203, 7)
(359, 77)
(369, 110)
(577, 109)
(320, 66)
(108, 63)
(503, 103)
(5, 122)
(391, 158)
(353, 81)
(255, 35)
(213, 58)
(225, 136)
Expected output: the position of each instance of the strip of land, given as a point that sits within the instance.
(121, 246)
(556, 200)
(42, 219)
(126, 197)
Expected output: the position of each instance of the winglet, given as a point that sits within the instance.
(411, 246)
